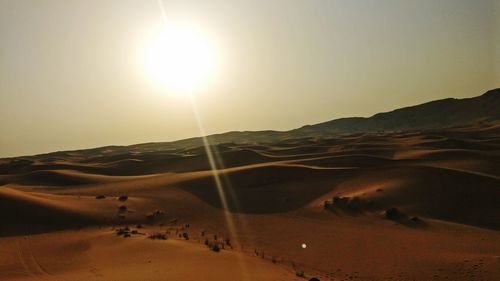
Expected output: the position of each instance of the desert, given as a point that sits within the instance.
(408, 205)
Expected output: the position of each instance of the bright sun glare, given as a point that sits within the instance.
(180, 60)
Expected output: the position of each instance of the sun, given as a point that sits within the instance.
(180, 59)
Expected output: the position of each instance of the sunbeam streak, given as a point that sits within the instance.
(214, 160)
(211, 155)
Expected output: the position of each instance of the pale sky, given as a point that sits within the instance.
(72, 72)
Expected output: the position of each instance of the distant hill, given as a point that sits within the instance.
(439, 114)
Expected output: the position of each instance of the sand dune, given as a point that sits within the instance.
(98, 255)
(267, 189)
(23, 212)
(430, 192)
(335, 194)
(59, 178)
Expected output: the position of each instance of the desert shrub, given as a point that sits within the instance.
(415, 219)
(100, 197)
(347, 203)
(215, 247)
(326, 204)
(155, 215)
(299, 273)
(340, 201)
(123, 198)
(157, 236)
(355, 203)
(185, 235)
(123, 231)
(122, 209)
(394, 214)
(314, 279)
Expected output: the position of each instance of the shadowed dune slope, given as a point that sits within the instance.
(429, 192)
(268, 189)
(21, 212)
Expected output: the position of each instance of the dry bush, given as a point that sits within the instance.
(123, 231)
(215, 247)
(394, 214)
(340, 201)
(122, 209)
(157, 236)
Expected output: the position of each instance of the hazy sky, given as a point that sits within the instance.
(72, 75)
